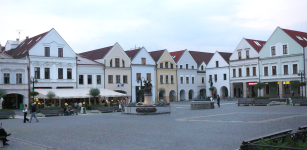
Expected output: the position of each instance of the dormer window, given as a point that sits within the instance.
(47, 51)
(111, 63)
(116, 62)
(161, 65)
(143, 61)
(239, 54)
(166, 64)
(180, 66)
(285, 49)
(186, 66)
(202, 67)
(123, 62)
(216, 64)
(298, 37)
(172, 66)
(273, 52)
(60, 52)
(247, 54)
(192, 67)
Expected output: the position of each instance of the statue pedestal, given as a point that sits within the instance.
(148, 100)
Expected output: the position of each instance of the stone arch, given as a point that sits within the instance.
(182, 95)
(224, 92)
(13, 99)
(172, 96)
(191, 94)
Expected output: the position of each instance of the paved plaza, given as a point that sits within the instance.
(213, 129)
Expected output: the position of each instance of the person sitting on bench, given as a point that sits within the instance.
(71, 109)
(66, 110)
(4, 134)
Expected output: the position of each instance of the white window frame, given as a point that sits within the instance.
(268, 71)
(297, 68)
(283, 71)
(272, 70)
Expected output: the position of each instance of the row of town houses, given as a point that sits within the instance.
(175, 76)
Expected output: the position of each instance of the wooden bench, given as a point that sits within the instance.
(76, 111)
(278, 99)
(245, 102)
(261, 102)
(302, 102)
(7, 114)
(56, 112)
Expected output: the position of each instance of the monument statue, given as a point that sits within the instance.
(147, 90)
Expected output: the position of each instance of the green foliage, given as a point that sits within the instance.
(211, 88)
(2, 92)
(294, 84)
(162, 91)
(34, 93)
(288, 142)
(259, 85)
(302, 84)
(261, 98)
(96, 106)
(94, 92)
(4, 110)
(51, 108)
(50, 95)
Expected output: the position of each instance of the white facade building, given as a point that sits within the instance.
(217, 72)
(186, 75)
(142, 67)
(244, 73)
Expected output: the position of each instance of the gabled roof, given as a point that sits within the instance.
(299, 37)
(200, 57)
(254, 45)
(225, 55)
(82, 60)
(176, 55)
(132, 53)
(97, 53)
(4, 55)
(26, 45)
(156, 54)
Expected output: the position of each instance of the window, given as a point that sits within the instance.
(172, 66)
(111, 63)
(60, 73)
(18, 78)
(234, 72)
(116, 62)
(192, 80)
(192, 67)
(210, 77)
(161, 65)
(240, 72)
(286, 70)
(247, 72)
(215, 77)
(98, 79)
(117, 78)
(60, 52)
(143, 61)
(47, 51)
(166, 79)
(187, 80)
(148, 76)
(266, 71)
(47, 73)
(225, 77)
(80, 79)
(161, 79)
(89, 79)
(239, 54)
(267, 89)
(247, 53)
(6, 78)
(202, 67)
(166, 64)
(138, 77)
(110, 78)
(216, 63)
(37, 72)
(202, 79)
(181, 80)
(69, 74)
(172, 79)
(294, 68)
(125, 79)
(287, 88)
(123, 62)
(186, 66)
(254, 71)
(180, 66)
(285, 50)
(273, 70)
(273, 52)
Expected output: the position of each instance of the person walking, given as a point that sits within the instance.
(218, 100)
(33, 112)
(25, 112)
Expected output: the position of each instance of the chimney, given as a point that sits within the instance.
(27, 37)
(17, 39)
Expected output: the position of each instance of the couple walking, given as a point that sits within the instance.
(25, 112)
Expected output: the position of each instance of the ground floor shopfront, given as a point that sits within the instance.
(244, 89)
(15, 99)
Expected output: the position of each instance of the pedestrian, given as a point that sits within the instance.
(25, 112)
(292, 93)
(4, 134)
(33, 112)
(218, 100)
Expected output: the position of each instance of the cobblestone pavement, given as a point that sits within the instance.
(220, 128)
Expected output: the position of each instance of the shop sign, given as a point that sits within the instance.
(251, 83)
(284, 82)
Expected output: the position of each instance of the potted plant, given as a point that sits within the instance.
(302, 84)
(260, 85)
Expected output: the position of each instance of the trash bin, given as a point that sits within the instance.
(84, 110)
(212, 105)
(288, 101)
(21, 106)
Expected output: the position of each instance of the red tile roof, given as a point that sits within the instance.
(293, 34)
(132, 53)
(200, 57)
(26, 45)
(97, 53)
(176, 55)
(254, 45)
(225, 55)
(156, 54)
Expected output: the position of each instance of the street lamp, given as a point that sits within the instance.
(33, 80)
(301, 73)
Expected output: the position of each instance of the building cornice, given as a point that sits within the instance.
(243, 59)
(278, 57)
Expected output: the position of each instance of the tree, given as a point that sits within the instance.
(2, 92)
(50, 95)
(294, 84)
(260, 85)
(94, 92)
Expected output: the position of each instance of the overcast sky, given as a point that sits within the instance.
(198, 25)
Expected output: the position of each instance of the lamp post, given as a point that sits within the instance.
(33, 80)
(301, 73)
